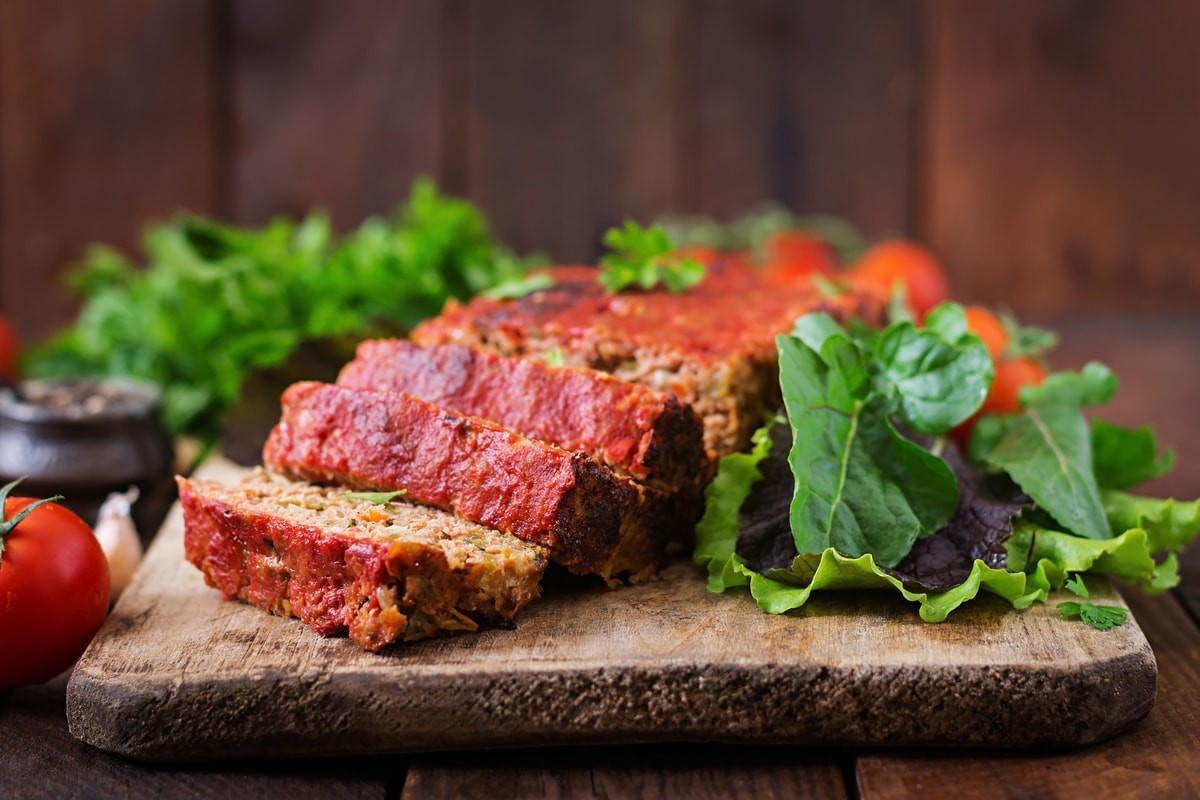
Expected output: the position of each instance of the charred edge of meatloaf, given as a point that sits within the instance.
(617, 529)
(378, 590)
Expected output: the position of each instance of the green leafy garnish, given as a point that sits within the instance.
(378, 498)
(751, 231)
(645, 257)
(1124, 457)
(1026, 340)
(1047, 448)
(554, 357)
(519, 287)
(863, 470)
(217, 302)
(1102, 618)
(860, 485)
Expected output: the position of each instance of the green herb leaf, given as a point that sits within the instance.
(1047, 448)
(645, 257)
(860, 486)
(939, 376)
(1125, 457)
(217, 303)
(554, 357)
(378, 498)
(1100, 617)
(717, 532)
(519, 287)
(1026, 340)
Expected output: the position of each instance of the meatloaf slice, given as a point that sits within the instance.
(590, 519)
(382, 572)
(713, 346)
(649, 435)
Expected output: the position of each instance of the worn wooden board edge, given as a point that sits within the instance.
(437, 696)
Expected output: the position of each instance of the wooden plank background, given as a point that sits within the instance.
(1049, 149)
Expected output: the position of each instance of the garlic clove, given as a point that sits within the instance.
(118, 538)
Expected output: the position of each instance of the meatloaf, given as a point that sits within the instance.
(590, 519)
(651, 436)
(381, 572)
(713, 346)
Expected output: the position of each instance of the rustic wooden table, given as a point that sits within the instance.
(1159, 363)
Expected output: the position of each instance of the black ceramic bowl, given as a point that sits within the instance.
(84, 439)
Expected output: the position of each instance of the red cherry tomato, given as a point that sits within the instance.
(790, 256)
(10, 348)
(54, 591)
(987, 326)
(898, 262)
(1012, 375)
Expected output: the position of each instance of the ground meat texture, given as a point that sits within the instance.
(590, 519)
(713, 346)
(381, 573)
(649, 435)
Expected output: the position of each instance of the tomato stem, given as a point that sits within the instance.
(8, 525)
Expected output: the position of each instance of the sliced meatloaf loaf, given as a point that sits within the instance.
(590, 519)
(713, 346)
(649, 435)
(383, 572)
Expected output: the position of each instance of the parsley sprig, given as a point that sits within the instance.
(1102, 618)
(645, 257)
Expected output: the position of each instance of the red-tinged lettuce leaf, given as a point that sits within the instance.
(983, 520)
(765, 538)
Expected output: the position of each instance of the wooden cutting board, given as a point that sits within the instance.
(178, 674)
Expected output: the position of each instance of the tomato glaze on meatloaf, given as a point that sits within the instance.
(713, 346)
(649, 435)
(381, 572)
(590, 519)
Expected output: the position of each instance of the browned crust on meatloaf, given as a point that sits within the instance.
(590, 519)
(651, 436)
(380, 573)
(713, 346)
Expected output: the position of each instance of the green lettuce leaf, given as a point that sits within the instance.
(717, 532)
(938, 376)
(1047, 448)
(861, 487)
(1125, 457)
(787, 590)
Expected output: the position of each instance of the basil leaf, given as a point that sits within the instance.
(938, 382)
(1124, 457)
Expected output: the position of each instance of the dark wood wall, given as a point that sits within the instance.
(1048, 149)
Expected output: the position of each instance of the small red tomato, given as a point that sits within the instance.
(1012, 375)
(790, 256)
(10, 348)
(899, 262)
(987, 326)
(54, 590)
